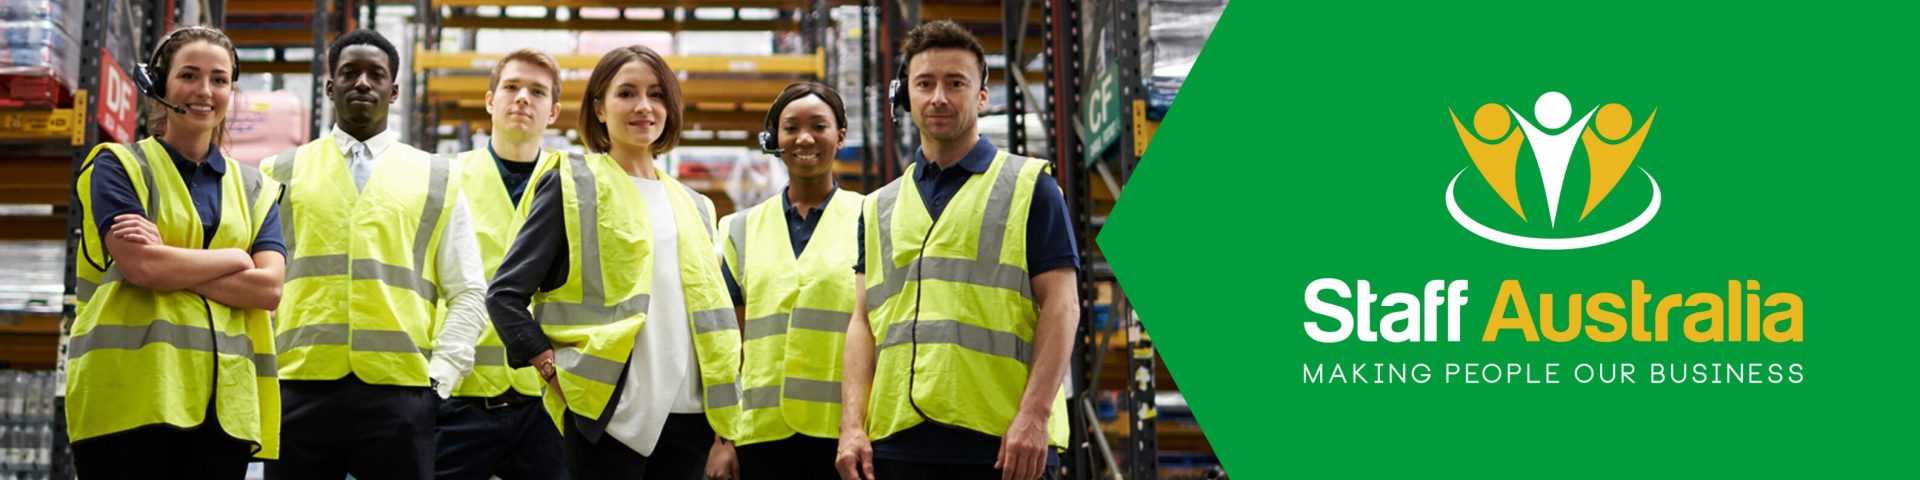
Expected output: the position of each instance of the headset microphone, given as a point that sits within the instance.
(143, 80)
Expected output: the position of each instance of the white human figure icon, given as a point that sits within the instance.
(1552, 152)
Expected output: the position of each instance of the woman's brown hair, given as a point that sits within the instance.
(593, 131)
(156, 116)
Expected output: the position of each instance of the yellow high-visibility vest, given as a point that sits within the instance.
(363, 283)
(797, 314)
(496, 221)
(140, 357)
(951, 304)
(592, 318)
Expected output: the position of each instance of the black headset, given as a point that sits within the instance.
(897, 89)
(769, 142)
(153, 82)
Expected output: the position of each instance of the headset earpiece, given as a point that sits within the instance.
(770, 143)
(897, 89)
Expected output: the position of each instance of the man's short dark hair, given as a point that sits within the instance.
(943, 34)
(363, 36)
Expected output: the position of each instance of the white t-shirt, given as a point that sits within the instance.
(663, 376)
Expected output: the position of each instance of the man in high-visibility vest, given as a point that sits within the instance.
(494, 425)
(960, 338)
(381, 255)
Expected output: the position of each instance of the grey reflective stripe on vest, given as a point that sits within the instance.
(892, 278)
(715, 320)
(183, 337)
(489, 356)
(978, 339)
(984, 270)
(760, 397)
(737, 234)
(412, 279)
(593, 288)
(802, 318)
(767, 326)
(812, 390)
(283, 165)
(316, 266)
(706, 217)
(568, 313)
(439, 168)
(396, 276)
(153, 209)
(311, 335)
(250, 184)
(723, 395)
(84, 289)
(283, 173)
(266, 365)
(795, 388)
(387, 341)
(596, 369)
(362, 269)
(821, 320)
(592, 309)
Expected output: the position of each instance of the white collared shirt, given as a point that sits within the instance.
(462, 280)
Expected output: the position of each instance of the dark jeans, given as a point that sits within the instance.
(892, 469)
(163, 451)
(514, 442)
(333, 428)
(796, 457)
(680, 455)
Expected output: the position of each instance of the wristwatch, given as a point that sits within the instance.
(547, 369)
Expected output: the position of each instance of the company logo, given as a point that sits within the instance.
(1614, 205)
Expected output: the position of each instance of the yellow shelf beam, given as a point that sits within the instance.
(741, 118)
(249, 37)
(631, 3)
(286, 67)
(979, 13)
(454, 89)
(270, 7)
(611, 24)
(814, 64)
(48, 125)
(1143, 129)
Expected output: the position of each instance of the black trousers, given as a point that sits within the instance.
(329, 429)
(165, 452)
(680, 455)
(513, 442)
(892, 469)
(797, 457)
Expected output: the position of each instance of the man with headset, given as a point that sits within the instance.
(964, 322)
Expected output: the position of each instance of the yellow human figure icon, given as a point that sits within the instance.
(1608, 153)
(1496, 156)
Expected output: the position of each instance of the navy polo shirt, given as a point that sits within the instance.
(114, 195)
(515, 175)
(1050, 245)
(799, 233)
(1049, 231)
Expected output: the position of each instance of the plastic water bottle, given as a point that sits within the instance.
(6, 452)
(6, 396)
(18, 405)
(48, 390)
(43, 460)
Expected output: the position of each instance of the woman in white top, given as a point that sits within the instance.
(637, 266)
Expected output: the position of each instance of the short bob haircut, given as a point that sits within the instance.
(593, 131)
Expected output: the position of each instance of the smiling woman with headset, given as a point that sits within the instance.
(788, 264)
(172, 371)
